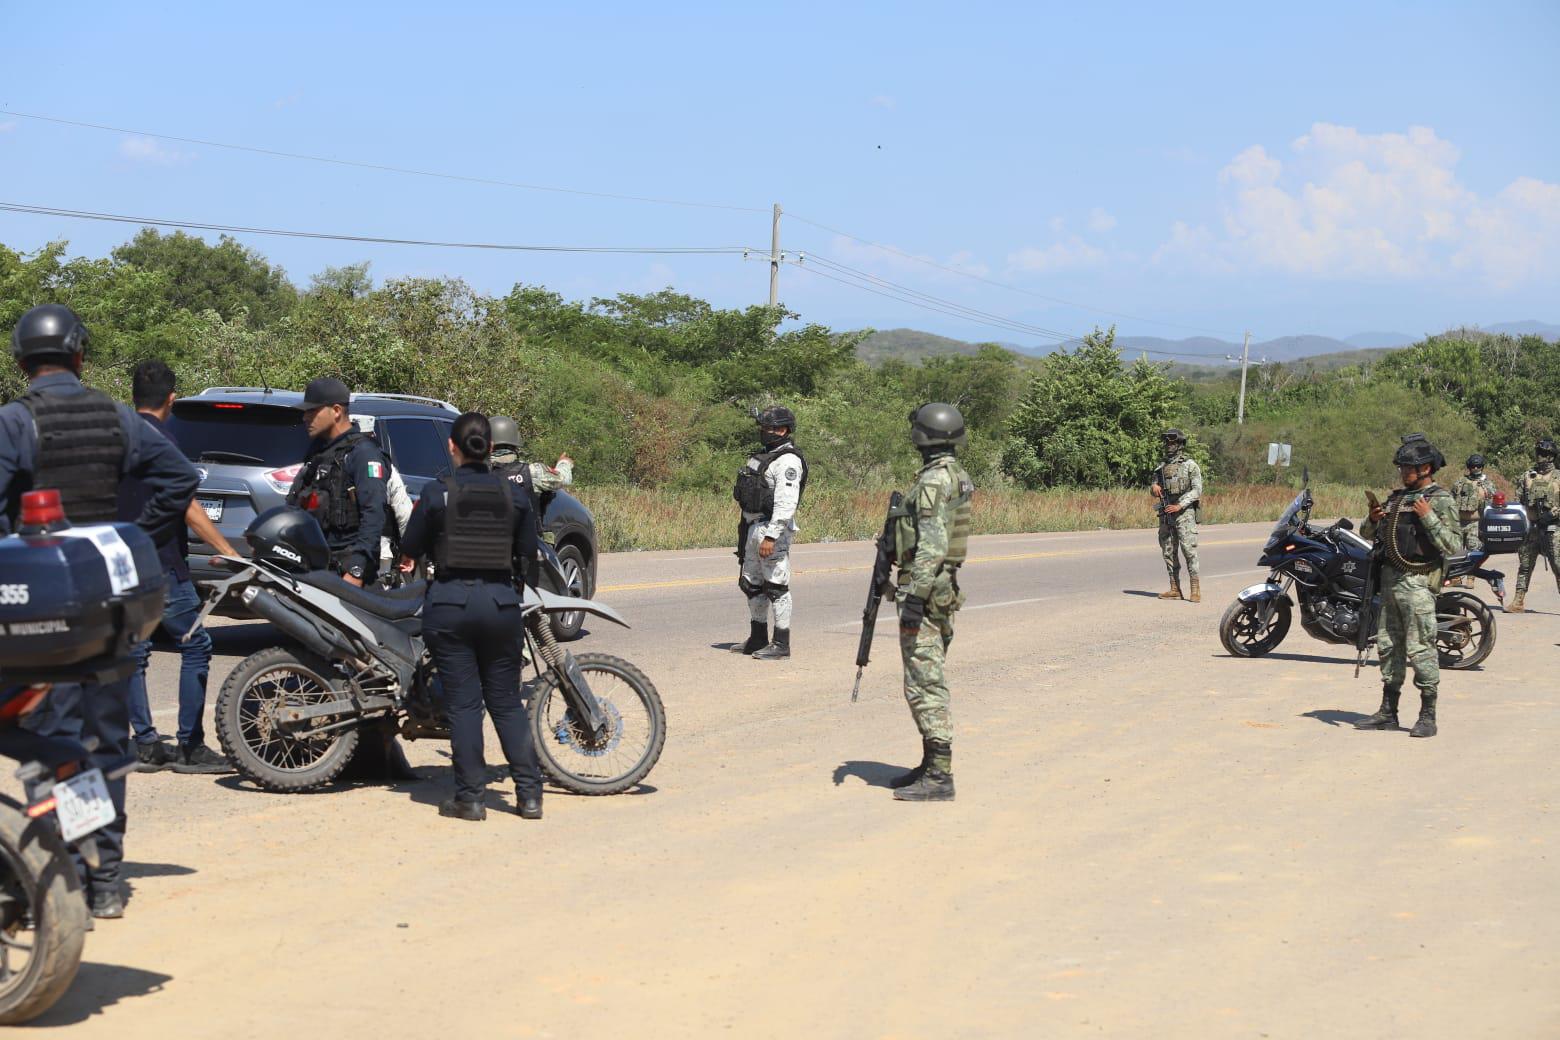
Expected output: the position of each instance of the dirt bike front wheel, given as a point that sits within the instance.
(615, 759)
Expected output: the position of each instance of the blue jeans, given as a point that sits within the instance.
(179, 613)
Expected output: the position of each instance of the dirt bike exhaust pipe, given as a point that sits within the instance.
(264, 604)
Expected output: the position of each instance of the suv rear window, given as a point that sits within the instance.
(256, 434)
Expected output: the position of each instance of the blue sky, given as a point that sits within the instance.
(1331, 168)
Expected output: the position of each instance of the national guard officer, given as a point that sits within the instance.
(1539, 491)
(1415, 531)
(60, 434)
(931, 539)
(769, 490)
(1473, 491)
(342, 483)
(1178, 489)
(537, 478)
(479, 530)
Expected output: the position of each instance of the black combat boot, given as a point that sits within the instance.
(461, 809)
(758, 637)
(778, 650)
(1425, 727)
(910, 776)
(936, 784)
(1386, 716)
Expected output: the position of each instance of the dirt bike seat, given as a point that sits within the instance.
(392, 604)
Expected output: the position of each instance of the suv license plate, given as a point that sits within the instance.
(82, 804)
(213, 508)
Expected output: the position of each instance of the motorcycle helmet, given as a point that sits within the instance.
(289, 538)
(1416, 450)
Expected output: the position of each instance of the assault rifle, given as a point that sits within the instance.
(882, 573)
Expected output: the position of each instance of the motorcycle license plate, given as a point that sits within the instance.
(82, 804)
(213, 508)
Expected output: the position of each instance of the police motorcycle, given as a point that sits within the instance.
(73, 601)
(289, 716)
(1328, 570)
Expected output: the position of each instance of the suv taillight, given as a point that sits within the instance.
(281, 479)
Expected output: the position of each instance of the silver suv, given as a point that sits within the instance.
(248, 442)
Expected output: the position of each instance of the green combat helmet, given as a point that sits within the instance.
(936, 425)
(506, 433)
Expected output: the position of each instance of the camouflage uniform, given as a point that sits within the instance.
(1472, 493)
(932, 539)
(1405, 634)
(1539, 491)
(1180, 478)
(544, 478)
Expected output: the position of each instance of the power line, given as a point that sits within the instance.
(77, 214)
(1002, 285)
(383, 167)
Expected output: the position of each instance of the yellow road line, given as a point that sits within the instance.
(683, 583)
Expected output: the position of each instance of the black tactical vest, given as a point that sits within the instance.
(752, 492)
(479, 524)
(325, 487)
(1408, 534)
(81, 451)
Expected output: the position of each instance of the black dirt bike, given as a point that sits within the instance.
(1328, 570)
(290, 716)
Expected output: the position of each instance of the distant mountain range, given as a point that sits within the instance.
(912, 345)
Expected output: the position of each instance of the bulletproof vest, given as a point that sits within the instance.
(81, 451)
(1541, 491)
(958, 510)
(479, 524)
(1175, 478)
(1469, 493)
(1408, 545)
(520, 473)
(325, 487)
(752, 492)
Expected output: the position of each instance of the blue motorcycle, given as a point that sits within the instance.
(1328, 571)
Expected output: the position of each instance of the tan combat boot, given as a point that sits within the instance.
(1196, 596)
(1175, 589)
(1515, 607)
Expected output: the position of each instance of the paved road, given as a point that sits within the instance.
(1151, 839)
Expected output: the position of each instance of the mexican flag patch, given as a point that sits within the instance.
(376, 470)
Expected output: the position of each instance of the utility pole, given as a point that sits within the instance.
(1245, 359)
(774, 259)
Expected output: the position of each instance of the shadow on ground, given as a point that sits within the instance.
(1140, 592)
(1334, 716)
(1312, 658)
(874, 774)
(100, 986)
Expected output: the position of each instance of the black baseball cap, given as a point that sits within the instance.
(324, 391)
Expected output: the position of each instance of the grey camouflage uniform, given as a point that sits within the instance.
(932, 541)
(1180, 479)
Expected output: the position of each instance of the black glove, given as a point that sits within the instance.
(911, 613)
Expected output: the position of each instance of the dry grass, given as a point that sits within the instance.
(629, 519)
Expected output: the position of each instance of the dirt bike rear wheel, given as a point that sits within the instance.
(1465, 630)
(43, 917)
(635, 733)
(274, 758)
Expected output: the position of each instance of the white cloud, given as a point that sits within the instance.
(288, 101)
(881, 262)
(883, 101)
(1101, 221)
(8, 126)
(1346, 204)
(1066, 254)
(147, 150)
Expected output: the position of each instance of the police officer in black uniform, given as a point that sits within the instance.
(481, 534)
(60, 434)
(342, 483)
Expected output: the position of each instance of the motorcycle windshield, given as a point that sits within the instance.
(1288, 519)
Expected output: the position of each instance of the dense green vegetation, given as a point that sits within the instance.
(652, 391)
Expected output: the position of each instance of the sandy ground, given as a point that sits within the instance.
(1151, 839)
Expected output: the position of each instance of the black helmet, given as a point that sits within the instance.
(1475, 461)
(1545, 446)
(506, 433)
(773, 418)
(50, 328)
(1416, 450)
(1173, 434)
(289, 538)
(937, 425)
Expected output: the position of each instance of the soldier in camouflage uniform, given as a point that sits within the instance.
(1473, 492)
(1539, 491)
(931, 536)
(1178, 486)
(1415, 531)
(506, 455)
